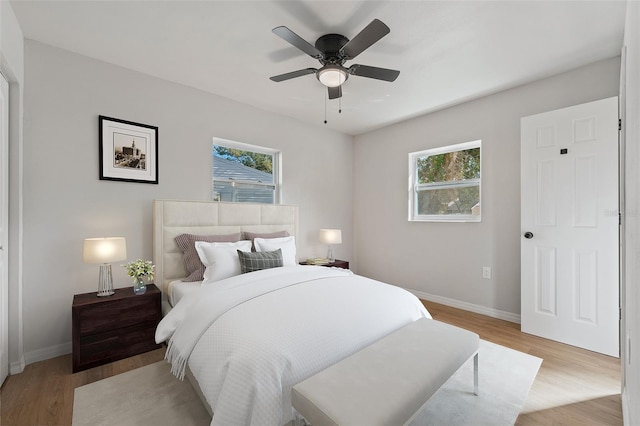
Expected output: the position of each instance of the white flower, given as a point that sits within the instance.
(139, 269)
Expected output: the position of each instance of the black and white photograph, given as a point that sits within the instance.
(128, 151)
(128, 155)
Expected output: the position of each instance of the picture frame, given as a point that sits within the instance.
(128, 151)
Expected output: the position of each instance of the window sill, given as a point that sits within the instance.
(470, 219)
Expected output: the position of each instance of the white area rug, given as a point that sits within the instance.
(152, 396)
(505, 377)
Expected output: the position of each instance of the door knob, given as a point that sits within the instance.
(528, 235)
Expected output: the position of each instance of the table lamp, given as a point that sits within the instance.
(104, 251)
(330, 237)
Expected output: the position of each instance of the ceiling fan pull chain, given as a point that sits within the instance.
(340, 105)
(325, 107)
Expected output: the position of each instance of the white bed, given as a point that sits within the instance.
(177, 289)
(249, 338)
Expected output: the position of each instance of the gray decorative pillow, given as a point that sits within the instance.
(253, 235)
(192, 262)
(257, 261)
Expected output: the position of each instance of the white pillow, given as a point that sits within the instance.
(220, 259)
(286, 244)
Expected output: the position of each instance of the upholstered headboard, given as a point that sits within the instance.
(172, 218)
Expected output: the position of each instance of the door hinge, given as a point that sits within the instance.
(619, 218)
(619, 124)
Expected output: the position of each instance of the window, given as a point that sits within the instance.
(444, 184)
(245, 173)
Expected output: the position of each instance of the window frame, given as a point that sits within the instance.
(276, 167)
(414, 186)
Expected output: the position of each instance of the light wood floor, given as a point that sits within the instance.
(573, 386)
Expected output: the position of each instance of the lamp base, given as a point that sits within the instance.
(330, 255)
(105, 281)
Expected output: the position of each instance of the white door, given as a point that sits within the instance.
(4, 217)
(569, 241)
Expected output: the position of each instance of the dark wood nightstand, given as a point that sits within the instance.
(107, 329)
(335, 264)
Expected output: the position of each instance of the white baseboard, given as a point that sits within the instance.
(17, 367)
(47, 353)
(490, 312)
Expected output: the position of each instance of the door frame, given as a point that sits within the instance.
(4, 225)
(621, 209)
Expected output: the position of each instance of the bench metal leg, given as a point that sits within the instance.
(475, 374)
(298, 420)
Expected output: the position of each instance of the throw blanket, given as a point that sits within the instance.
(249, 339)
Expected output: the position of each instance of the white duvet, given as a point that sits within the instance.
(248, 339)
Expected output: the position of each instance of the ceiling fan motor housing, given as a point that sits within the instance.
(330, 45)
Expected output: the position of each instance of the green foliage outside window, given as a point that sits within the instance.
(450, 166)
(255, 160)
(448, 183)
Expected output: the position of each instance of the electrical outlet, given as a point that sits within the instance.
(486, 272)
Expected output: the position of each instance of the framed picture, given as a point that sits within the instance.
(128, 151)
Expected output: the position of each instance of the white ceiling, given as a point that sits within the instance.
(447, 51)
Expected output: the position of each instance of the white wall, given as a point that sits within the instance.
(631, 129)
(443, 261)
(12, 66)
(65, 202)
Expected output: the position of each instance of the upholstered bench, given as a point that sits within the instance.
(388, 382)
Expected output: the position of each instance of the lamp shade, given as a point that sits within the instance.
(104, 250)
(331, 236)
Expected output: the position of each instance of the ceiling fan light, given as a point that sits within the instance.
(332, 76)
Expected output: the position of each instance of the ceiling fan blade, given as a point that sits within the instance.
(335, 92)
(374, 72)
(365, 38)
(292, 74)
(290, 37)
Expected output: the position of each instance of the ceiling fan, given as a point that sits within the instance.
(333, 50)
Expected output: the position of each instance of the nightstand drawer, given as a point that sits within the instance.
(97, 349)
(106, 329)
(105, 316)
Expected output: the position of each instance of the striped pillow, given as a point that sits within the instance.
(192, 262)
(257, 261)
